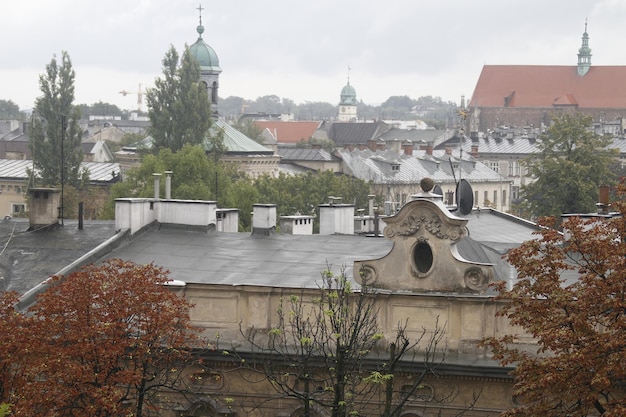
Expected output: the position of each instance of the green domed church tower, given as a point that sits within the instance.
(347, 103)
(209, 66)
(584, 54)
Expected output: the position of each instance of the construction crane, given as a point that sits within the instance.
(139, 93)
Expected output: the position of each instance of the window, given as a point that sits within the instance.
(476, 198)
(515, 192)
(486, 198)
(514, 169)
(423, 257)
(495, 197)
(504, 197)
(495, 165)
(18, 208)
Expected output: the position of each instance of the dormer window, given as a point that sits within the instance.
(395, 167)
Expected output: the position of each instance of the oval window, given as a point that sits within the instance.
(423, 257)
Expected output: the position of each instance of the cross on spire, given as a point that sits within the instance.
(200, 8)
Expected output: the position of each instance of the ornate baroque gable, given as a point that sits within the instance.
(424, 256)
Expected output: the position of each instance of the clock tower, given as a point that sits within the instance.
(347, 103)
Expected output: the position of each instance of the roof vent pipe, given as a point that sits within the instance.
(168, 185)
(371, 204)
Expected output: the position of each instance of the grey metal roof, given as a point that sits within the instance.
(237, 142)
(293, 169)
(98, 171)
(14, 169)
(515, 145)
(291, 153)
(413, 135)
(390, 167)
(497, 230)
(520, 146)
(354, 133)
(619, 144)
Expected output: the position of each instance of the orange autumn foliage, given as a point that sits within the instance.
(570, 295)
(100, 342)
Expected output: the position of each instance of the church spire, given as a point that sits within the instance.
(584, 54)
(200, 28)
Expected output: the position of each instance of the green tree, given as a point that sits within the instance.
(250, 129)
(572, 163)
(193, 177)
(9, 110)
(570, 296)
(128, 139)
(178, 105)
(302, 194)
(100, 109)
(55, 137)
(315, 111)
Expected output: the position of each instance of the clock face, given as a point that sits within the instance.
(343, 109)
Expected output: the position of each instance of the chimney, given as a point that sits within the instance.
(380, 145)
(43, 207)
(603, 200)
(296, 225)
(428, 147)
(371, 143)
(448, 150)
(407, 147)
(168, 185)
(263, 219)
(157, 185)
(336, 218)
(371, 198)
(474, 151)
(395, 145)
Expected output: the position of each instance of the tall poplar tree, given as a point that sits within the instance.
(178, 105)
(55, 135)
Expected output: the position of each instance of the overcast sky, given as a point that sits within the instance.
(301, 49)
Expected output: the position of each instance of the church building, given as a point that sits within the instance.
(209, 65)
(347, 104)
(251, 157)
(529, 95)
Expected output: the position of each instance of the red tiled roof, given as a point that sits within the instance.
(289, 132)
(546, 86)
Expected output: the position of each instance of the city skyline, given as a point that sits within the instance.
(303, 53)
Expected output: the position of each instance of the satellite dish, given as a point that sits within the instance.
(464, 197)
(437, 190)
